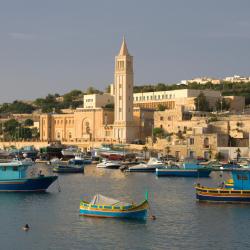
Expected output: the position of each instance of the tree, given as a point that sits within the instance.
(179, 134)
(158, 132)
(92, 90)
(108, 89)
(17, 107)
(219, 156)
(161, 107)
(167, 150)
(109, 106)
(222, 104)
(28, 122)
(10, 125)
(201, 103)
(72, 96)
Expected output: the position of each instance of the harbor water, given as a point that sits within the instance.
(181, 222)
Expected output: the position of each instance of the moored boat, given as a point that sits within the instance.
(182, 172)
(14, 178)
(102, 206)
(150, 166)
(237, 192)
(73, 166)
(109, 164)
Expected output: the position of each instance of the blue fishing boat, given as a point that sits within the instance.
(105, 207)
(13, 178)
(182, 172)
(237, 192)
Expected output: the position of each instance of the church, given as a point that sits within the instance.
(122, 124)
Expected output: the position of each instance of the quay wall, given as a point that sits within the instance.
(82, 145)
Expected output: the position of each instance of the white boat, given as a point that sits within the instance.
(70, 151)
(150, 166)
(109, 164)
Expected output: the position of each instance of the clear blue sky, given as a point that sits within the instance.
(53, 46)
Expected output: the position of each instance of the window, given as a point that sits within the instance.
(161, 118)
(136, 98)
(242, 177)
(147, 97)
(191, 141)
(159, 97)
(162, 96)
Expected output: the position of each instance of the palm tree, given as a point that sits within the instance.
(167, 150)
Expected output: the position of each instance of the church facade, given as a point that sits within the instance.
(123, 124)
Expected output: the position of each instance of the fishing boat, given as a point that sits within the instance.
(73, 166)
(150, 166)
(14, 178)
(109, 164)
(237, 192)
(183, 172)
(102, 206)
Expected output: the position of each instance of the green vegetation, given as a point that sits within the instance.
(222, 105)
(219, 156)
(17, 107)
(28, 122)
(109, 106)
(13, 130)
(201, 103)
(73, 99)
(227, 88)
(158, 132)
(161, 107)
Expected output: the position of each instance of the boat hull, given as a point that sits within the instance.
(138, 212)
(65, 170)
(183, 173)
(37, 184)
(142, 170)
(222, 195)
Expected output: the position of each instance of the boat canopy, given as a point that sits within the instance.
(99, 199)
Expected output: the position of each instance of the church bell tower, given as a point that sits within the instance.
(124, 130)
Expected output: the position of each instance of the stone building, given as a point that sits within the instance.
(94, 122)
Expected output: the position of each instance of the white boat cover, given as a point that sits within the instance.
(99, 199)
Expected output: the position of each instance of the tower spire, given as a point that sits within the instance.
(124, 49)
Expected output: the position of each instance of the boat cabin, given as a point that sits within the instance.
(12, 170)
(241, 179)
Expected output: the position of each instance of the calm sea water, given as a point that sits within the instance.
(182, 223)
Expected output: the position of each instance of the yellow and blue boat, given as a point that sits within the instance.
(105, 207)
(237, 191)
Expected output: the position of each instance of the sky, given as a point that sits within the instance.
(54, 46)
